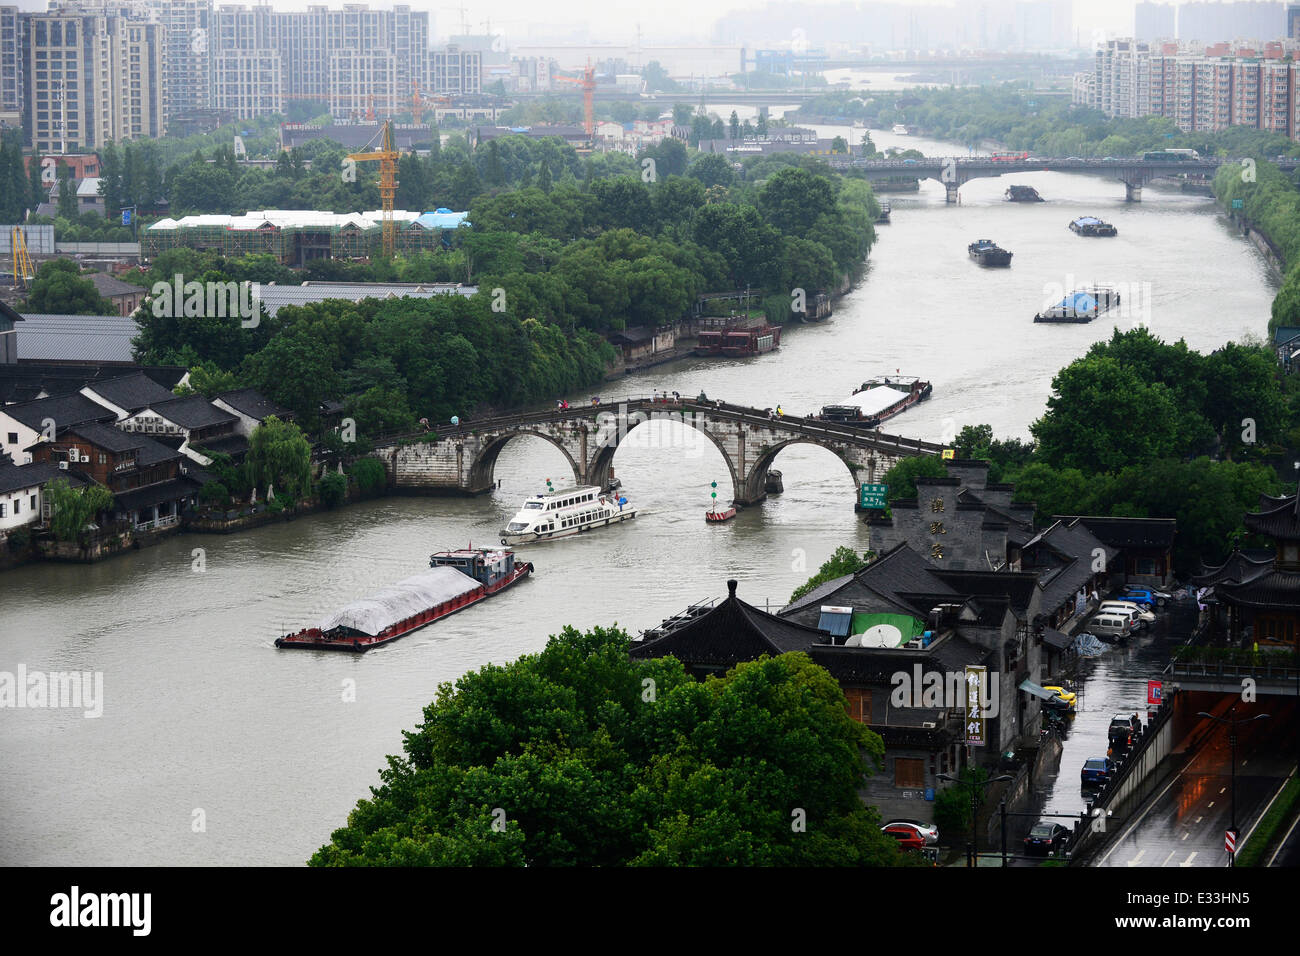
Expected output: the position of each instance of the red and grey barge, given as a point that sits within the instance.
(738, 343)
(455, 580)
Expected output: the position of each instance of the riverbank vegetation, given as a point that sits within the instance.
(1021, 118)
(1139, 427)
(580, 756)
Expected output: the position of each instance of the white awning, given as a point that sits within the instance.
(875, 400)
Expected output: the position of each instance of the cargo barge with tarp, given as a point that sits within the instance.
(1082, 305)
(1092, 226)
(454, 581)
(885, 396)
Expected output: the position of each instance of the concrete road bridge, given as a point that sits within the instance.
(954, 171)
(461, 461)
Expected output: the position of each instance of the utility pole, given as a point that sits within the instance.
(1232, 757)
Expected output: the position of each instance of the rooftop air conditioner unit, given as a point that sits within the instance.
(63, 465)
(928, 725)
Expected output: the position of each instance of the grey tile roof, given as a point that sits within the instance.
(152, 452)
(254, 404)
(898, 571)
(18, 477)
(131, 392)
(106, 436)
(65, 410)
(109, 286)
(76, 338)
(192, 411)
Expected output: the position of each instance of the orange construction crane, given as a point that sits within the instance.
(387, 158)
(588, 82)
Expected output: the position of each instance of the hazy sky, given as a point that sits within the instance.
(617, 21)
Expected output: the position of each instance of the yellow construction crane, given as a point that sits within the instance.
(23, 270)
(387, 158)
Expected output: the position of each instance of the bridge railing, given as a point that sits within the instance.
(723, 410)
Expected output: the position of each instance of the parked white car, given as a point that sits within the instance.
(1143, 615)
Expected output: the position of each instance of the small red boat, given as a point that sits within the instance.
(456, 580)
(714, 515)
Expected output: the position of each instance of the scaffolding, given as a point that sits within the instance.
(293, 237)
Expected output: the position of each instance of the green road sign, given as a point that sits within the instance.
(873, 496)
(1238, 203)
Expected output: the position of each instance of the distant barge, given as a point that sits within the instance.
(1092, 226)
(738, 343)
(456, 580)
(988, 253)
(1022, 194)
(883, 218)
(1082, 305)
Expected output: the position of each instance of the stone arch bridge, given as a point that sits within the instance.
(462, 461)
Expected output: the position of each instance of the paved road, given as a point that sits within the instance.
(1185, 824)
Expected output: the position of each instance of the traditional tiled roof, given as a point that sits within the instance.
(153, 452)
(131, 392)
(18, 477)
(1278, 518)
(1275, 589)
(156, 494)
(899, 570)
(1129, 532)
(1239, 568)
(109, 286)
(105, 436)
(65, 410)
(731, 632)
(192, 411)
(1017, 586)
(251, 402)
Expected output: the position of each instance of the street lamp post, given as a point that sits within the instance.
(972, 847)
(1232, 759)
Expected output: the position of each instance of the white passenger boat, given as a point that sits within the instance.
(899, 130)
(557, 514)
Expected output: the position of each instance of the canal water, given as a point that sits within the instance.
(214, 748)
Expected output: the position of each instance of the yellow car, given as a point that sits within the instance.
(1068, 696)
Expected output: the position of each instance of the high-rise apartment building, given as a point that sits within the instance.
(187, 27)
(1154, 21)
(93, 74)
(1123, 78)
(11, 66)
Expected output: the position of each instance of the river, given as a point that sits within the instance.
(215, 748)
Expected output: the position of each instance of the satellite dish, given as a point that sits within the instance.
(880, 635)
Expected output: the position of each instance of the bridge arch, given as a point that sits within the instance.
(482, 468)
(756, 479)
(607, 443)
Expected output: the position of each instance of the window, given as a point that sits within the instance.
(4, 510)
(33, 503)
(859, 703)
(909, 772)
(18, 504)
(13, 438)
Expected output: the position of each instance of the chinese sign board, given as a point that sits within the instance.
(873, 496)
(975, 723)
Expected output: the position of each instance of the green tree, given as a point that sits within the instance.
(279, 455)
(71, 509)
(1103, 416)
(901, 478)
(67, 194)
(369, 474)
(59, 289)
(843, 561)
(590, 773)
(333, 489)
